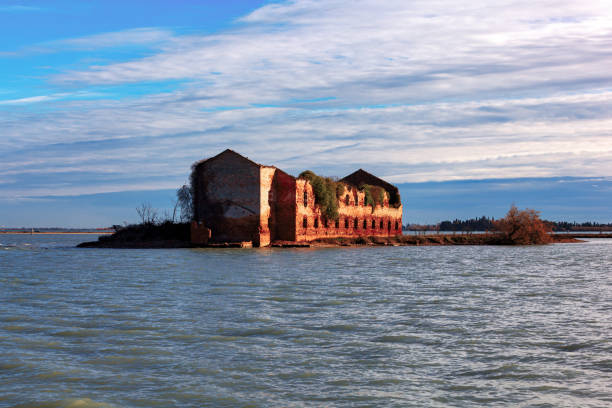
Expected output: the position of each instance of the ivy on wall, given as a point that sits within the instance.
(326, 192)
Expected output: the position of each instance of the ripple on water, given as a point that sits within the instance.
(436, 326)
(401, 339)
(258, 331)
(68, 403)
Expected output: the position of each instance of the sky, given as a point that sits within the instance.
(467, 106)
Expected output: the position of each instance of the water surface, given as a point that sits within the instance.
(460, 326)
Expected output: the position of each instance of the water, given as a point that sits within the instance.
(381, 326)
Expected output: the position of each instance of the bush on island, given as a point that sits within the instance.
(523, 227)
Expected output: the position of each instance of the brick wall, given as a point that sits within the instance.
(387, 220)
(226, 198)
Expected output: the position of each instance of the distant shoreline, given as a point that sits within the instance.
(56, 233)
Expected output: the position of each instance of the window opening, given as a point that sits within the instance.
(373, 224)
(305, 222)
(316, 223)
(356, 223)
(346, 223)
(305, 199)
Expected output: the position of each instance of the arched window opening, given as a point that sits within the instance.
(396, 225)
(346, 223)
(381, 224)
(316, 223)
(389, 225)
(356, 223)
(305, 222)
(373, 224)
(305, 198)
(346, 200)
(365, 224)
(337, 224)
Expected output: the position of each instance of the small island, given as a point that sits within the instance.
(233, 202)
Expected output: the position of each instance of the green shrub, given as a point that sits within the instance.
(374, 195)
(340, 189)
(326, 192)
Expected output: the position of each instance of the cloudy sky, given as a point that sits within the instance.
(104, 103)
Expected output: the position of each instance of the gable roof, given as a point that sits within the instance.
(230, 152)
(227, 152)
(361, 176)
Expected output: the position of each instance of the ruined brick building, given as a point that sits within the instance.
(237, 200)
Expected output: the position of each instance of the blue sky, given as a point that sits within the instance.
(469, 107)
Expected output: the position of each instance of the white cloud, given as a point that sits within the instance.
(412, 91)
(151, 37)
(31, 99)
(136, 36)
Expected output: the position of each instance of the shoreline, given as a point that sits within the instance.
(399, 240)
(56, 233)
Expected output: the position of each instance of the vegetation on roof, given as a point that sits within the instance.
(374, 195)
(326, 191)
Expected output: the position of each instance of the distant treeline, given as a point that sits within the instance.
(487, 224)
(473, 224)
(52, 229)
(576, 226)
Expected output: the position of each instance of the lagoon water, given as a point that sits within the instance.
(379, 326)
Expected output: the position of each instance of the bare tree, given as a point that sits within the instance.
(175, 205)
(147, 214)
(165, 217)
(184, 202)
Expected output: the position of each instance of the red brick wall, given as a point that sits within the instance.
(239, 200)
(355, 210)
(284, 207)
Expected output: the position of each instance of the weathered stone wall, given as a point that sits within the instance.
(266, 209)
(227, 198)
(238, 200)
(356, 219)
(284, 205)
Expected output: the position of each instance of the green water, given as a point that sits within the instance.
(382, 326)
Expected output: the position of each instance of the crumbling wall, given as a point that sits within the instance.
(227, 198)
(266, 205)
(238, 200)
(355, 218)
(284, 204)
